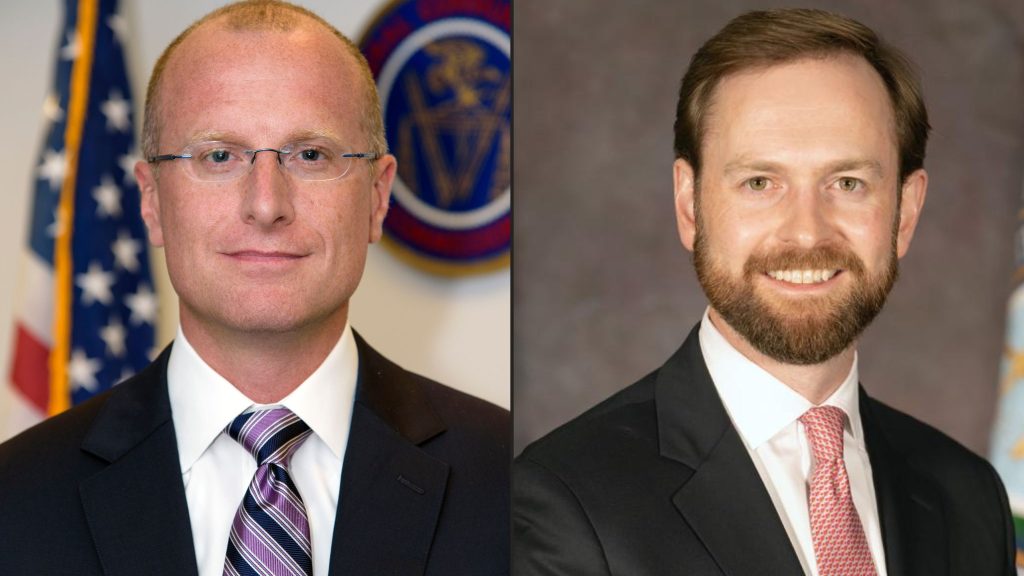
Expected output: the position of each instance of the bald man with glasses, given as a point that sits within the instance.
(270, 438)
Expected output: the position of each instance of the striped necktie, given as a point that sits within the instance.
(840, 545)
(270, 533)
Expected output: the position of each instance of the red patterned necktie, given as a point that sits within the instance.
(270, 533)
(839, 541)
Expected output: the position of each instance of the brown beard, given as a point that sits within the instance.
(806, 332)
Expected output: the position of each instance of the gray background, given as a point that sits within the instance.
(603, 290)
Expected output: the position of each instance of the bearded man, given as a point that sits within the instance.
(800, 141)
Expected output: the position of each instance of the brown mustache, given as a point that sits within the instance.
(819, 258)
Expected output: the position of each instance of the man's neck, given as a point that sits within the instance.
(264, 366)
(815, 382)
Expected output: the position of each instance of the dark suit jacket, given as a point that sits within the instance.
(424, 487)
(656, 481)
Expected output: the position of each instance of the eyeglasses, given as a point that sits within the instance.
(311, 160)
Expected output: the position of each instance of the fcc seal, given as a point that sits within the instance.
(442, 69)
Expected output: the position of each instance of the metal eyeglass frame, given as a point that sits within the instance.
(252, 162)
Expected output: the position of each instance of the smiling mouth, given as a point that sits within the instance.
(810, 276)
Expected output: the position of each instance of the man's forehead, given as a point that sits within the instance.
(214, 91)
(750, 81)
(220, 34)
(214, 50)
(800, 92)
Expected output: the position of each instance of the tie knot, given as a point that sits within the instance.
(271, 436)
(824, 426)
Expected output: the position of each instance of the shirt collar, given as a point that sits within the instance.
(203, 403)
(747, 389)
(328, 393)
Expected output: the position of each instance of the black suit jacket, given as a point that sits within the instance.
(656, 481)
(98, 489)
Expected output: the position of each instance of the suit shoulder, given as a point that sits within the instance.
(624, 419)
(52, 438)
(463, 411)
(925, 447)
(405, 398)
(474, 442)
(44, 464)
(966, 486)
(908, 434)
(57, 441)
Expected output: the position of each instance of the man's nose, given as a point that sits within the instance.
(807, 218)
(268, 198)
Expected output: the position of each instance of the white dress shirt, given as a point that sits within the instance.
(217, 470)
(766, 414)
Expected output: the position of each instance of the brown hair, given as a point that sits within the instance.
(256, 16)
(766, 38)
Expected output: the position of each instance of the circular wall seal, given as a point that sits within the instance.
(443, 73)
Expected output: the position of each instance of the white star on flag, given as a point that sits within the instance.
(82, 371)
(95, 285)
(51, 108)
(142, 304)
(113, 334)
(126, 251)
(108, 198)
(57, 226)
(53, 167)
(127, 163)
(116, 109)
(73, 48)
(119, 25)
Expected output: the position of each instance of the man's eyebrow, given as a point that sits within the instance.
(845, 165)
(750, 165)
(312, 134)
(857, 164)
(211, 136)
(221, 136)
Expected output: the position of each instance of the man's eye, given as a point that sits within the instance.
(758, 183)
(848, 184)
(218, 156)
(311, 155)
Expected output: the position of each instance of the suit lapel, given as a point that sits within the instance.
(909, 506)
(136, 507)
(724, 501)
(391, 490)
(727, 506)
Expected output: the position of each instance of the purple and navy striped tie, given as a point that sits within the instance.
(270, 533)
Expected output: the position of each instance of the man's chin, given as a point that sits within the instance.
(800, 331)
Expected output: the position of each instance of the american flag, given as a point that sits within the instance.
(1007, 449)
(86, 317)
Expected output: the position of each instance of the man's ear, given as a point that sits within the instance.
(914, 189)
(149, 201)
(684, 184)
(380, 195)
